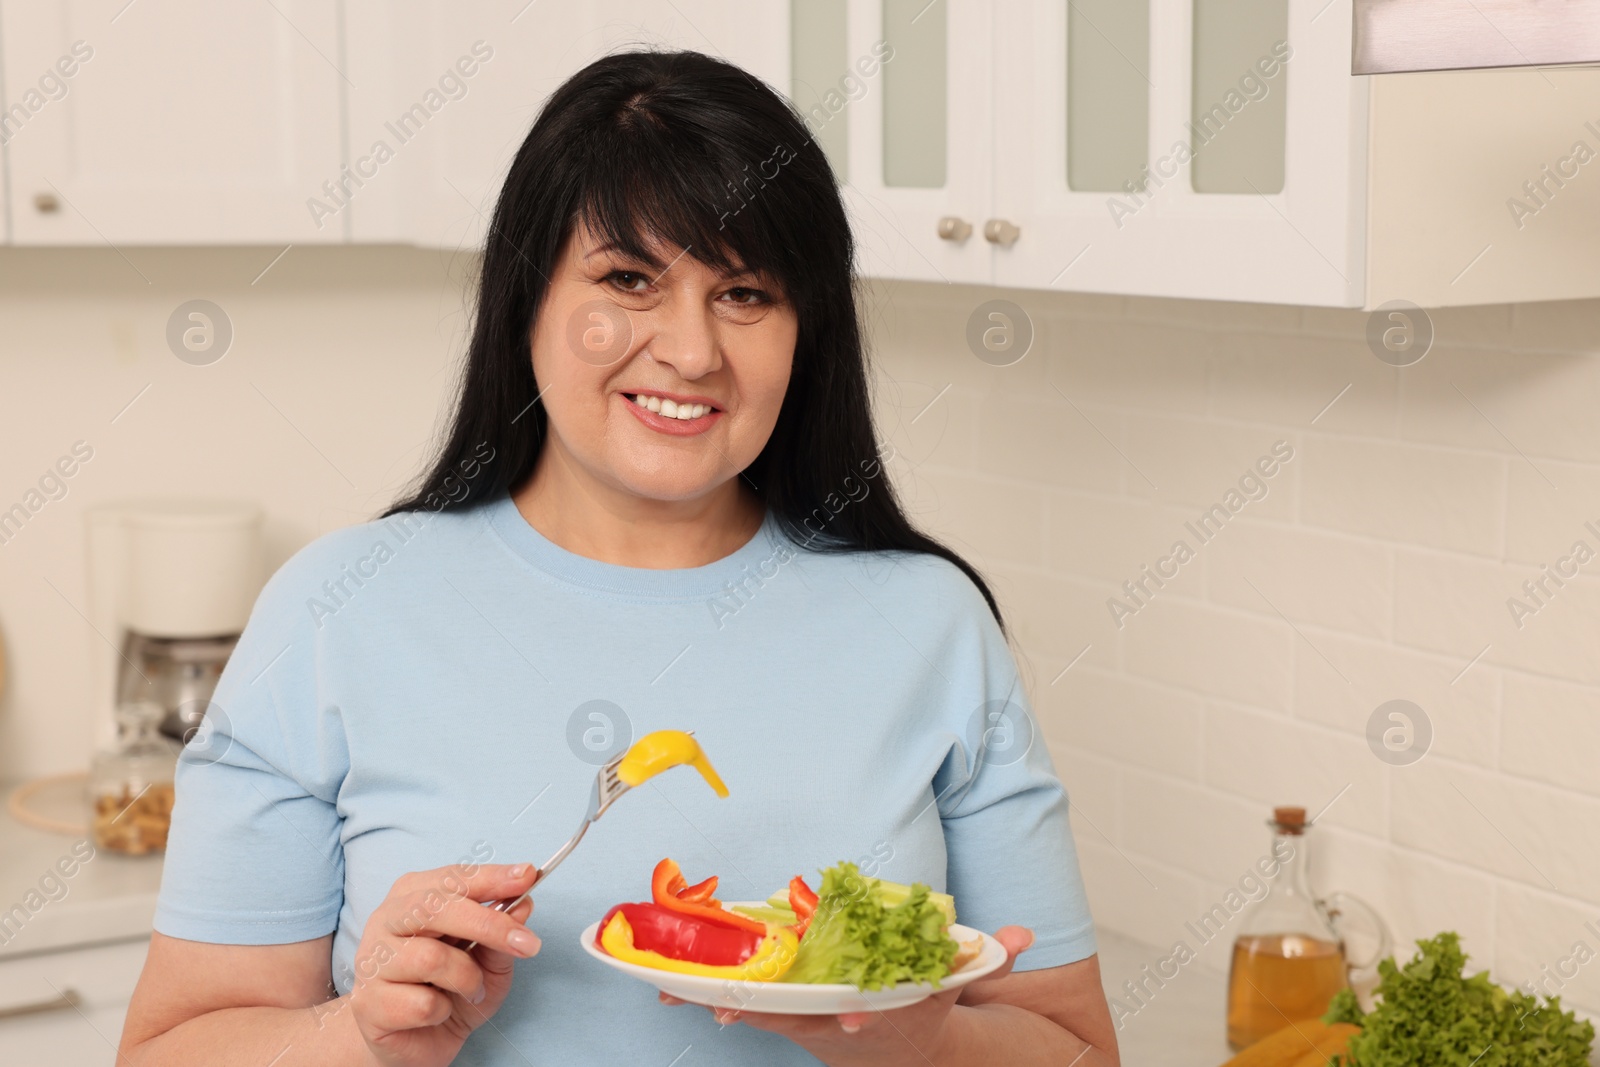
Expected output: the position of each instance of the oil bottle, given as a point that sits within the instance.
(1289, 958)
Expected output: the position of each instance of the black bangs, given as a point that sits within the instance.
(652, 189)
(726, 196)
(684, 154)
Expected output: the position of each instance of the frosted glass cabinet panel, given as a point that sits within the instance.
(917, 106)
(821, 81)
(915, 122)
(1239, 104)
(1068, 135)
(1108, 93)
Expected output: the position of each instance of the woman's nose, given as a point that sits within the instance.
(687, 339)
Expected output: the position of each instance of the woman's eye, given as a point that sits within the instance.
(748, 296)
(625, 279)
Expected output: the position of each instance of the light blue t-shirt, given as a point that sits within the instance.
(440, 688)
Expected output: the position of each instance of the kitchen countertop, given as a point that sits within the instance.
(109, 897)
(1181, 1024)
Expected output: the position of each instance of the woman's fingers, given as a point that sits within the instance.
(433, 916)
(487, 882)
(852, 1021)
(394, 1006)
(410, 978)
(1015, 940)
(423, 960)
(495, 961)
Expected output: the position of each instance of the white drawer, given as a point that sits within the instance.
(83, 1033)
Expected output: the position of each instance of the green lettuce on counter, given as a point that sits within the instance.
(1429, 1012)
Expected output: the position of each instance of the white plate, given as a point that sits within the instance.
(797, 998)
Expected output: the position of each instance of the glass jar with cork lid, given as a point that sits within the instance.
(130, 783)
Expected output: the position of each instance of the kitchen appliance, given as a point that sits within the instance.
(171, 585)
(1391, 36)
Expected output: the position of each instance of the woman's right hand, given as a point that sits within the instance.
(416, 999)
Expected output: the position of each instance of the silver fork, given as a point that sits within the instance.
(607, 788)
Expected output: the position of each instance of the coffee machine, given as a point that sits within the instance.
(171, 585)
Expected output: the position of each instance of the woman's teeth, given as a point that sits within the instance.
(671, 409)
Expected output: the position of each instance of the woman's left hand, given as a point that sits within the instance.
(909, 1035)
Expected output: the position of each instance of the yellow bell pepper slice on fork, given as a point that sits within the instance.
(662, 750)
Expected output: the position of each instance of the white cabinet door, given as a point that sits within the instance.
(443, 96)
(1301, 244)
(920, 136)
(67, 1007)
(445, 91)
(181, 121)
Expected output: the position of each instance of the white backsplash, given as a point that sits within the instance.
(1376, 566)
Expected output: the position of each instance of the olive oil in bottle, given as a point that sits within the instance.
(1289, 961)
(1279, 978)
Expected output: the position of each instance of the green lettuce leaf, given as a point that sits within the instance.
(857, 939)
(1429, 1012)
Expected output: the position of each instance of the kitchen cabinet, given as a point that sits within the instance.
(170, 121)
(1209, 149)
(1274, 219)
(905, 88)
(1057, 122)
(1205, 149)
(444, 94)
(443, 97)
(1484, 187)
(75, 920)
(67, 1007)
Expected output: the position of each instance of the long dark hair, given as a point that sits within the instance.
(690, 149)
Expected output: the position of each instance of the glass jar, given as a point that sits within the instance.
(130, 784)
(1290, 957)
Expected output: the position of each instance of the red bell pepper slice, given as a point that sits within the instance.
(700, 893)
(803, 902)
(684, 937)
(670, 891)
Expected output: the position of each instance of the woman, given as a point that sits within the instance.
(661, 505)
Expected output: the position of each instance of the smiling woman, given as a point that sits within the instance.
(663, 396)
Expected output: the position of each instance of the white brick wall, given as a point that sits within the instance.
(1376, 568)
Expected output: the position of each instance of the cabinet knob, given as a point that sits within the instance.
(1000, 232)
(46, 203)
(952, 228)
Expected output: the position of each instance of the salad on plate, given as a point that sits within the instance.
(853, 942)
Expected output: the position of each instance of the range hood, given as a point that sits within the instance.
(1412, 35)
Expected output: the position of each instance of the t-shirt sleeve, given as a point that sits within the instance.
(1011, 856)
(254, 855)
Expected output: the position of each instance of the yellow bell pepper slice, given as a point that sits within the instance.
(773, 957)
(662, 750)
